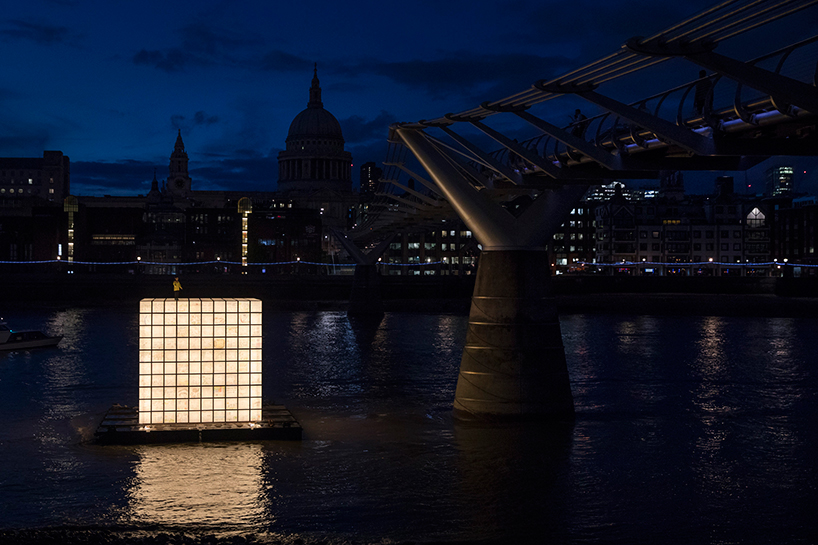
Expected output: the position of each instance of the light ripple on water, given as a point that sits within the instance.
(689, 429)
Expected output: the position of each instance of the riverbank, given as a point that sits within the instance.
(449, 295)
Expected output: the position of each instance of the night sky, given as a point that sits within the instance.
(110, 83)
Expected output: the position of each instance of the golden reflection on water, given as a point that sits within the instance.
(446, 333)
(638, 337)
(199, 485)
(784, 363)
(710, 358)
(709, 365)
(715, 469)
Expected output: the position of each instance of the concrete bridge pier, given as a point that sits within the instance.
(513, 364)
(365, 300)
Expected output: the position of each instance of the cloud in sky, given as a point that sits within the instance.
(200, 45)
(199, 118)
(277, 60)
(460, 73)
(19, 140)
(124, 177)
(38, 33)
(110, 87)
(359, 130)
(172, 60)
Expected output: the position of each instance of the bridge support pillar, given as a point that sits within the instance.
(513, 364)
(366, 299)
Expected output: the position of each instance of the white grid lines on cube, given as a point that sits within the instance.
(199, 361)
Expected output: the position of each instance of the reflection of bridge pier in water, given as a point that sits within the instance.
(365, 299)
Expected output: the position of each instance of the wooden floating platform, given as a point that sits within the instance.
(120, 426)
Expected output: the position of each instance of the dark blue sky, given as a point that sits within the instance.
(109, 83)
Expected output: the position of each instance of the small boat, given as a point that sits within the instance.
(23, 340)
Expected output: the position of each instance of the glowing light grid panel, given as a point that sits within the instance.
(199, 361)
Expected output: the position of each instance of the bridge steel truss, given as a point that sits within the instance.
(513, 363)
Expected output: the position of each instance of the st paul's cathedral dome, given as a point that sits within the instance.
(314, 157)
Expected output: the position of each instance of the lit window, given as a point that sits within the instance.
(755, 218)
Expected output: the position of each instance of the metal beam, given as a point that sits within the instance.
(543, 217)
(491, 224)
(794, 92)
(486, 158)
(596, 154)
(416, 194)
(418, 177)
(412, 204)
(705, 163)
(525, 153)
(665, 130)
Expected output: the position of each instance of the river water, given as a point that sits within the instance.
(688, 430)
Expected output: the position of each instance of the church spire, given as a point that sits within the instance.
(315, 90)
(178, 176)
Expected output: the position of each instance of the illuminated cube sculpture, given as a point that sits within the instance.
(199, 361)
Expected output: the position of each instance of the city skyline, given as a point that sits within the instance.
(110, 86)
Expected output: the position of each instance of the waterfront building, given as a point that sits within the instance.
(686, 235)
(574, 243)
(447, 249)
(180, 224)
(370, 176)
(780, 180)
(47, 178)
(794, 237)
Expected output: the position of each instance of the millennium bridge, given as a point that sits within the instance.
(735, 114)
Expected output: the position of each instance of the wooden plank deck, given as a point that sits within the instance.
(120, 426)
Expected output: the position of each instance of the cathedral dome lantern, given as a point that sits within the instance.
(314, 157)
(315, 121)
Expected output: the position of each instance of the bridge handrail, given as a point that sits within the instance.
(738, 110)
(716, 23)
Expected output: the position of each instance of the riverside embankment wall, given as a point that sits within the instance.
(639, 295)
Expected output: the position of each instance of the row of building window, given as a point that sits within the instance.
(684, 248)
(24, 179)
(21, 191)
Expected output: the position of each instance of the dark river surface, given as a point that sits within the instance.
(689, 430)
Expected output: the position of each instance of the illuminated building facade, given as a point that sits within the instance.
(692, 236)
(780, 181)
(45, 178)
(199, 361)
(370, 176)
